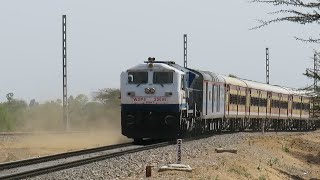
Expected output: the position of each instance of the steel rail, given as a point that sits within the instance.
(14, 134)
(57, 167)
(38, 133)
(26, 162)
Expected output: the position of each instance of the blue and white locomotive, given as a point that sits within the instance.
(161, 100)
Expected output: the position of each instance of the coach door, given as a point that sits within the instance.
(207, 93)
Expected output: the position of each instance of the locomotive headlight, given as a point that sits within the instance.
(152, 90)
(168, 94)
(131, 94)
(147, 90)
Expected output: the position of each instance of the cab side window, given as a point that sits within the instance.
(182, 83)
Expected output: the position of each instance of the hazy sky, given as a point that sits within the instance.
(106, 37)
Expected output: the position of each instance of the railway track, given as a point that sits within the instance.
(47, 164)
(38, 133)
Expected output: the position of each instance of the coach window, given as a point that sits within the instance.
(233, 99)
(242, 100)
(137, 77)
(163, 77)
(295, 105)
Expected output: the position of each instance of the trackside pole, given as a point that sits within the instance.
(64, 70)
(263, 121)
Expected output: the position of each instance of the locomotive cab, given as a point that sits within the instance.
(152, 96)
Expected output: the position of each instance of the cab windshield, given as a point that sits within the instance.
(137, 77)
(163, 77)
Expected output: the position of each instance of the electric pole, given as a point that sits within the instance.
(64, 70)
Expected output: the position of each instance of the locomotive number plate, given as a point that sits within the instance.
(149, 100)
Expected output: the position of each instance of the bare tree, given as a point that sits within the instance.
(304, 12)
(313, 73)
(296, 11)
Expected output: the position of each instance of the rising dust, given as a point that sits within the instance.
(41, 143)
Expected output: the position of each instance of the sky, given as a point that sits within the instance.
(107, 37)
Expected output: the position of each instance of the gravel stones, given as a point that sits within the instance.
(132, 166)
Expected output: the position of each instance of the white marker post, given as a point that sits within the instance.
(179, 142)
(178, 166)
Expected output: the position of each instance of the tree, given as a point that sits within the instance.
(76, 106)
(301, 12)
(5, 119)
(9, 97)
(108, 96)
(296, 11)
(59, 101)
(11, 113)
(33, 103)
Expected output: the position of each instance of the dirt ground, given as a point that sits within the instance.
(288, 156)
(17, 147)
(270, 156)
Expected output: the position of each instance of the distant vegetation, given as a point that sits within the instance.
(102, 111)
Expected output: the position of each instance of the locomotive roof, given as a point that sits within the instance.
(156, 66)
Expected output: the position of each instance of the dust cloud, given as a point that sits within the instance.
(48, 135)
